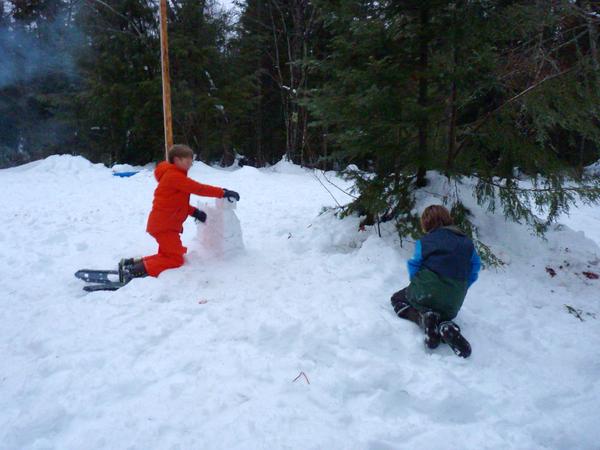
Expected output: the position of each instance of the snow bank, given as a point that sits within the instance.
(288, 167)
(327, 234)
(57, 164)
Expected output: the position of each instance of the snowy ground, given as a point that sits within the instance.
(205, 356)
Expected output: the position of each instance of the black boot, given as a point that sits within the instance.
(403, 309)
(429, 323)
(130, 268)
(450, 333)
(124, 266)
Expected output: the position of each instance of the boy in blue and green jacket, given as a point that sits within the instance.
(445, 264)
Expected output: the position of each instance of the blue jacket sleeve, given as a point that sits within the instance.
(414, 264)
(475, 266)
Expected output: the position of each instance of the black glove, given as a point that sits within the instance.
(200, 216)
(231, 195)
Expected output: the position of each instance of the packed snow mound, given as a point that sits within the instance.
(288, 167)
(58, 164)
(291, 343)
(328, 234)
(201, 166)
(221, 235)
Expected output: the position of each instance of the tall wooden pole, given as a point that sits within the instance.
(166, 82)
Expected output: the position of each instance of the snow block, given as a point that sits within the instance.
(221, 235)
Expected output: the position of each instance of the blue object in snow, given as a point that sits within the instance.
(124, 174)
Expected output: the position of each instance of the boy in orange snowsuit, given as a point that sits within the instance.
(170, 208)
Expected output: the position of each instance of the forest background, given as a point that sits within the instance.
(505, 91)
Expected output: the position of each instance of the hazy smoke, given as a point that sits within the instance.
(34, 52)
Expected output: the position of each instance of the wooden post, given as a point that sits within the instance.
(166, 83)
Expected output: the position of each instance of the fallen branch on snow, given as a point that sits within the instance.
(301, 374)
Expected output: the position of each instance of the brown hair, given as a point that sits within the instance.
(435, 216)
(179, 151)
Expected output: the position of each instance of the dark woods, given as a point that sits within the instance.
(83, 77)
(495, 90)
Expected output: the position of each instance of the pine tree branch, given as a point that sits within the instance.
(586, 11)
(542, 43)
(480, 122)
(336, 186)
(106, 5)
(301, 374)
(520, 189)
(325, 187)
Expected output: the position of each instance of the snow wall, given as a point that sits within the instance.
(221, 235)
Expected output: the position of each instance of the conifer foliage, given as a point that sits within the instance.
(506, 92)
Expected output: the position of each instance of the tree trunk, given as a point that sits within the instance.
(228, 156)
(452, 110)
(423, 95)
(324, 150)
(258, 118)
(451, 129)
(593, 35)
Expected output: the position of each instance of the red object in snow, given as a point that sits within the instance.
(591, 275)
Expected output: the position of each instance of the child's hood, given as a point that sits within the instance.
(454, 229)
(164, 167)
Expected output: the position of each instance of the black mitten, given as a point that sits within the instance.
(231, 195)
(199, 216)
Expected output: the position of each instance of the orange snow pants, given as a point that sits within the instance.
(169, 256)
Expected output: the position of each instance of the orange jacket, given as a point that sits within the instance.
(171, 204)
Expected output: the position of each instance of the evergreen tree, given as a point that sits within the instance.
(120, 106)
(538, 89)
(472, 88)
(375, 103)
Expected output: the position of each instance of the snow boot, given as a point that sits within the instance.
(130, 268)
(450, 334)
(403, 309)
(427, 321)
(429, 324)
(124, 265)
